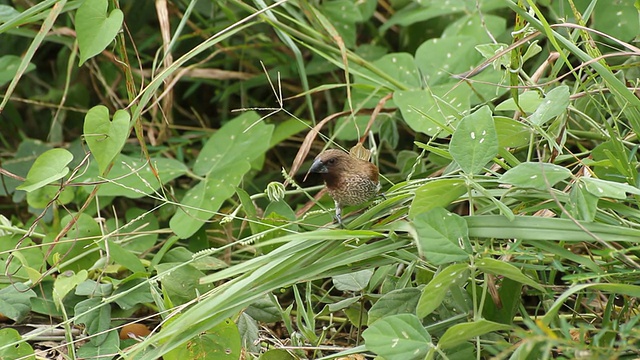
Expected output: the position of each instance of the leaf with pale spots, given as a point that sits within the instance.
(475, 141)
(608, 189)
(441, 237)
(555, 103)
(540, 176)
(461, 333)
(440, 58)
(245, 138)
(398, 337)
(399, 66)
(528, 102)
(433, 112)
(512, 133)
(436, 289)
(478, 28)
(203, 201)
(343, 16)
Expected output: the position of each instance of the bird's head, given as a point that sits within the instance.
(330, 161)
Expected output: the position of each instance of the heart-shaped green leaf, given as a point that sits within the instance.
(441, 236)
(48, 167)
(475, 142)
(434, 293)
(96, 30)
(104, 137)
(535, 175)
(398, 337)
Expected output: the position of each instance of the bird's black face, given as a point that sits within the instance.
(322, 167)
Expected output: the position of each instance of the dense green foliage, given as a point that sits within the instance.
(152, 162)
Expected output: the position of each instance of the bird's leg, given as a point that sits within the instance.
(339, 214)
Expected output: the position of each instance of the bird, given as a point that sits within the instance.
(349, 180)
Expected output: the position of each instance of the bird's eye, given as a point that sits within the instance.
(332, 161)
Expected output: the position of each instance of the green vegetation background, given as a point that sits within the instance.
(145, 147)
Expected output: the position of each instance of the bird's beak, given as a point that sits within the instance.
(318, 167)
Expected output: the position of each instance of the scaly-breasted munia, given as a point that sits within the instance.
(349, 180)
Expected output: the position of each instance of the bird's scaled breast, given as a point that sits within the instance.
(354, 190)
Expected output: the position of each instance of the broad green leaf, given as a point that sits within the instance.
(509, 292)
(27, 152)
(608, 189)
(399, 66)
(28, 255)
(618, 19)
(66, 282)
(15, 301)
(343, 15)
(181, 282)
(243, 139)
(540, 176)
(264, 309)
(9, 65)
(204, 200)
(103, 350)
(511, 133)
(475, 142)
(48, 167)
(529, 101)
(460, 333)
(501, 268)
(400, 301)
(144, 224)
(488, 51)
(21, 351)
(7, 13)
(40, 198)
(354, 281)
(398, 337)
(124, 257)
(221, 342)
(582, 204)
(476, 27)
(440, 58)
(92, 288)
(434, 111)
(441, 236)
(77, 245)
(96, 316)
(436, 193)
(250, 335)
(139, 294)
(435, 291)
(342, 305)
(428, 10)
(95, 29)
(104, 137)
(555, 103)
(133, 178)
